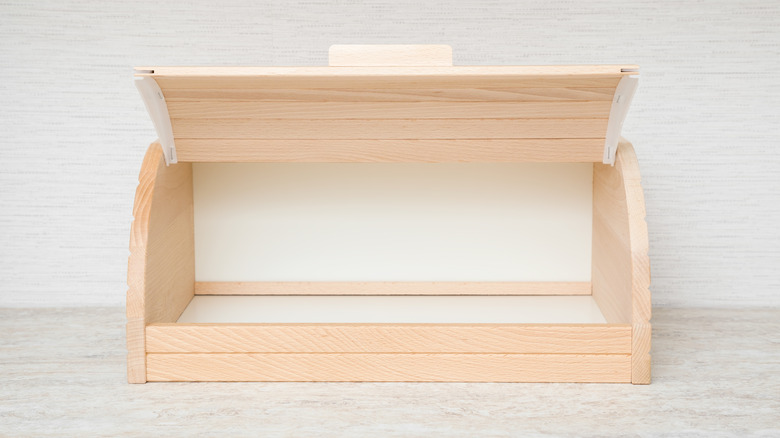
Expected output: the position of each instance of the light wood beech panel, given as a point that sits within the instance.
(136, 267)
(388, 338)
(388, 129)
(388, 81)
(611, 261)
(640, 265)
(386, 77)
(621, 266)
(381, 102)
(240, 107)
(161, 266)
(218, 109)
(501, 94)
(606, 368)
(302, 73)
(637, 228)
(578, 150)
(391, 288)
(640, 354)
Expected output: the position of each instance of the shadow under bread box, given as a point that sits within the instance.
(390, 217)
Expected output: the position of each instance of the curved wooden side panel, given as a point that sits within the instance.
(621, 265)
(640, 265)
(161, 266)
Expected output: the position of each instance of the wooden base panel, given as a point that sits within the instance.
(388, 338)
(596, 368)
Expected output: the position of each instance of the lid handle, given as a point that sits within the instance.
(390, 55)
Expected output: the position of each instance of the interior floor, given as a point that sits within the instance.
(392, 309)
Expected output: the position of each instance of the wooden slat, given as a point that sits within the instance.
(469, 71)
(391, 288)
(388, 81)
(581, 150)
(607, 368)
(386, 77)
(388, 338)
(161, 266)
(389, 129)
(395, 95)
(220, 109)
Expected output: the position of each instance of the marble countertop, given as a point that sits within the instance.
(715, 373)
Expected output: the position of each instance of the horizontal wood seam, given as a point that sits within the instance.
(392, 288)
(428, 353)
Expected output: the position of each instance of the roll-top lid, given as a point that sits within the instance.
(419, 108)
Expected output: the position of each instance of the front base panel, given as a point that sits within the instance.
(390, 339)
(390, 367)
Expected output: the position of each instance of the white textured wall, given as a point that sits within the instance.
(706, 121)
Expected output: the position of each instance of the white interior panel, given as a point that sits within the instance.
(392, 222)
(393, 309)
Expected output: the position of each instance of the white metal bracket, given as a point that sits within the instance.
(158, 111)
(621, 101)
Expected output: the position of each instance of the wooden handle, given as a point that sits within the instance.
(389, 55)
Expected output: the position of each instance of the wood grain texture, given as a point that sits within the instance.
(606, 368)
(621, 265)
(246, 109)
(579, 150)
(455, 77)
(170, 264)
(350, 55)
(432, 94)
(637, 228)
(161, 266)
(611, 262)
(389, 338)
(136, 267)
(640, 354)
(136, 349)
(390, 288)
(388, 129)
(249, 115)
(640, 264)
(385, 77)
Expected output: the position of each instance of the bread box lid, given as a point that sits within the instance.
(389, 103)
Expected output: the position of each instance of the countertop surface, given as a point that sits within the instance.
(715, 373)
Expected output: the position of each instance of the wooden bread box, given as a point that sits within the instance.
(389, 217)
